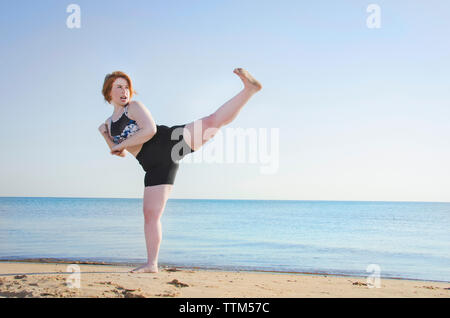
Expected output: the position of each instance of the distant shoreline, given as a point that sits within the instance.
(209, 199)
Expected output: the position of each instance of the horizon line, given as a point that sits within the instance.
(304, 200)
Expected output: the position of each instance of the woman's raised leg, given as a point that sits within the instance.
(194, 132)
(155, 199)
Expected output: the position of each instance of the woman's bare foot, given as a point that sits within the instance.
(146, 268)
(249, 81)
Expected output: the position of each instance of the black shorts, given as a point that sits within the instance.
(159, 156)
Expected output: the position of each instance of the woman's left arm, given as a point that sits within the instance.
(104, 131)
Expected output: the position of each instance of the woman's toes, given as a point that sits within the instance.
(145, 269)
(249, 80)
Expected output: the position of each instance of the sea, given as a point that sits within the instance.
(408, 240)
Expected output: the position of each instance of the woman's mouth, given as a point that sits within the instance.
(123, 99)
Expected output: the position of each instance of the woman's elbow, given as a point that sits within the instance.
(150, 132)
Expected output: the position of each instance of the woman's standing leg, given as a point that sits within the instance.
(194, 132)
(155, 199)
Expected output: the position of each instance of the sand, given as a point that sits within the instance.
(25, 279)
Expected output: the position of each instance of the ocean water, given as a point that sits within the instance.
(403, 239)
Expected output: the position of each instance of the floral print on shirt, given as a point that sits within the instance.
(130, 129)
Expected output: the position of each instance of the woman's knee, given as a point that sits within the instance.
(152, 214)
(211, 127)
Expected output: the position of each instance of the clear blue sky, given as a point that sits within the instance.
(363, 114)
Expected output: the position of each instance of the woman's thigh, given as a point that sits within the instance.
(200, 131)
(155, 199)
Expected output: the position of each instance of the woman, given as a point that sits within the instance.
(158, 148)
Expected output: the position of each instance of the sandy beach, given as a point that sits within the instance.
(27, 279)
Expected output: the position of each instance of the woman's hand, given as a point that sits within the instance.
(118, 150)
(121, 154)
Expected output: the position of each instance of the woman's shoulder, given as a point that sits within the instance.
(134, 104)
(134, 108)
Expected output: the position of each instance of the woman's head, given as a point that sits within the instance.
(118, 88)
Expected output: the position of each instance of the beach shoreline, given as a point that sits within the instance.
(46, 278)
(40, 260)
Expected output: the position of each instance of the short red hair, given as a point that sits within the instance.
(109, 80)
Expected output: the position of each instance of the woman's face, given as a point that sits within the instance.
(120, 92)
